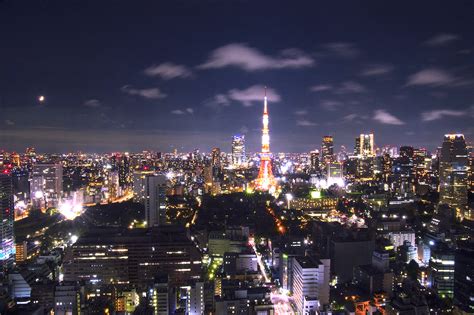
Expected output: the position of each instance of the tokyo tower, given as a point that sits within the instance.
(265, 180)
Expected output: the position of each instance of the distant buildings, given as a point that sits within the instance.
(46, 185)
(327, 149)
(453, 168)
(364, 145)
(238, 150)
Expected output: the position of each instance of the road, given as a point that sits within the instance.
(259, 260)
(281, 303)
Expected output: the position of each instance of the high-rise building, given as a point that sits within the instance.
(365, 154)
(453, 167)
(47, 183)
(310, 284)
(364, 145)
(7, 245)
(195, 299)
(238, 150)
(464, 276)
(314, 160)
(327, 149)
(155, 200)
(265, 180)
(134, 256)
(139, 185)
(442, 270)
(216, 162)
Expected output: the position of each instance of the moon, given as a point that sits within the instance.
(41, 98)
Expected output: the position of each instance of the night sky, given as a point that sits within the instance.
(135, 75)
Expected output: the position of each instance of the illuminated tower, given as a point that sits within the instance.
(265, 180)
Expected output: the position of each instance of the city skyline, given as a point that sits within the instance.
(107, 87)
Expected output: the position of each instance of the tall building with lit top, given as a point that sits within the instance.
(265, 180)
(453, 169)
(364, 145)
(7, 245)
(365, 154)
(238, 150)
(327, 149)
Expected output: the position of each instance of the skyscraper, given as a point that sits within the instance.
(47, 183)
(155, 200)
(7, 245)
(310, 284)
(216, 162)
(238, 150)
(314, 160)
(453, 167)
(364, 145)
(463, 275)
(265, 180)
(327, 149)
(364, 152)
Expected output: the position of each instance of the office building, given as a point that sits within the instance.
(464, 277)
(155, 200)
(442, 270)
(453, 168)
(133, 256)
(310, 283)
(67, 299)
(195, 299)
(7, 246)
(327, 149)
(364, 145)
(238, 150)
(314, 162)
(46, 184)
(139, 185)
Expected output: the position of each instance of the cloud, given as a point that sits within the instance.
(244, 130)
(376, 69)
(301, 112)
(178, 112)
(92, 103)
(305, 123)
(384, 117)
(185, 111)
(431, 77)
(342, 49)
(330, 105)
(246, 96)
(168, 71)
(250, 59)
(320, 88)
(351, 87)
(9, 122)
(441, 113)
(150, 93)
(442, 39)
